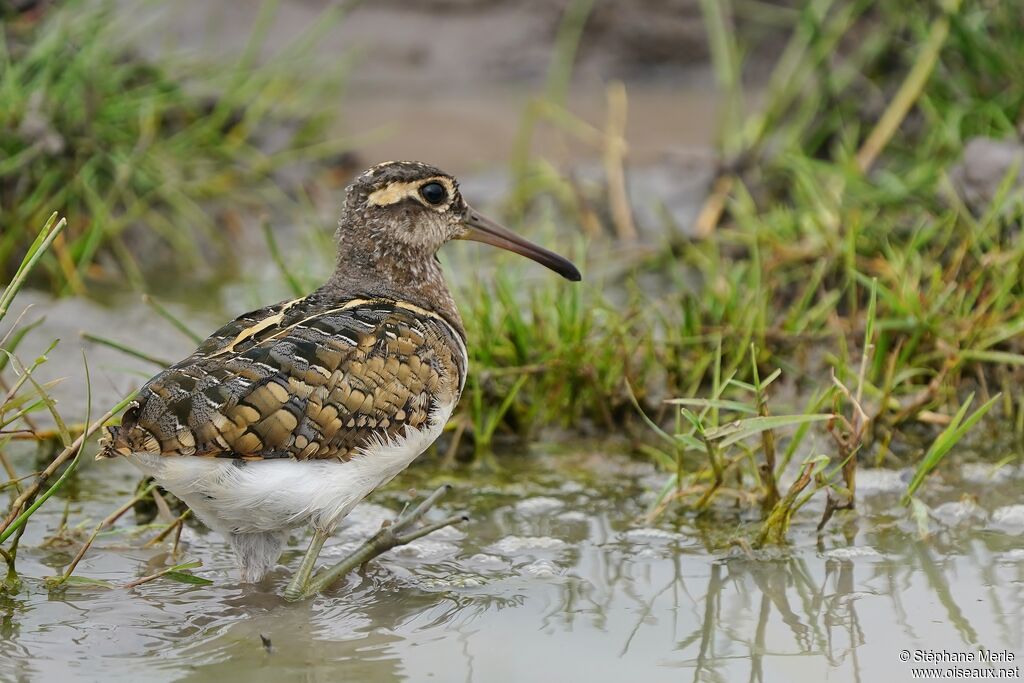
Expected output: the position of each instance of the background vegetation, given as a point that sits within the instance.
(151, 162)
(842, 297)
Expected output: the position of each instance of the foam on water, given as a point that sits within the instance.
(538, 505)
(961, 512)
(516, 546)
(852, 553)
(652, 535)
(1009, 519)
(874, 481)
(541, 569)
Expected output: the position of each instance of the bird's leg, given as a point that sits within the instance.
(297, 586)
(390, 536)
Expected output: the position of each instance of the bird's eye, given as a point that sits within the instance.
(434, 193)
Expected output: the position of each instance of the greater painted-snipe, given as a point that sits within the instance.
(292, 414)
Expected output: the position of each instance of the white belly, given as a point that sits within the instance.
(237, 496)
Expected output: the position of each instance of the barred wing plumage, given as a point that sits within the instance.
(304, 379)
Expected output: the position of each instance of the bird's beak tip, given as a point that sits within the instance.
(482, 229)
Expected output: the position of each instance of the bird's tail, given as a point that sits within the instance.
(109, 443)
(120, 440)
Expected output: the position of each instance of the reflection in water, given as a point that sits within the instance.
(827, 624)
(551, 581)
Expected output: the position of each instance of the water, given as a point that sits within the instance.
(556, 578)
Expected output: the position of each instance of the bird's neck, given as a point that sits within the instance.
(370, 267)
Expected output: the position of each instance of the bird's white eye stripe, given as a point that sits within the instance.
(395, 192)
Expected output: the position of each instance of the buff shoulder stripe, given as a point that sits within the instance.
(276, 319)
(253, 330)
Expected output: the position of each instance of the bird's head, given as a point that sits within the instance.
(419, 208)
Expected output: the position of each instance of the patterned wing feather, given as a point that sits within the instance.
(299, 380)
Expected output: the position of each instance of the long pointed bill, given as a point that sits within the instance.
(483, 229)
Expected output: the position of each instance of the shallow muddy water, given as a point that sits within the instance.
(554, 579)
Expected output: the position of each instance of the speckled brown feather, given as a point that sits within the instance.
(314, 378)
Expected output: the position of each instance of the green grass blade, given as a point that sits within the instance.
(42, 242)
(945, 441)
(738, 430)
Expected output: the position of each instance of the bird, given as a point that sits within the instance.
(290, 415)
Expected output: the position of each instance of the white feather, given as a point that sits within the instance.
(248, 497)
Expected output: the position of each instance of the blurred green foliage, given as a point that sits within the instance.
(138, 153)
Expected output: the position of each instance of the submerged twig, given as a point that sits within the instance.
(173, 526)
(177, 572)
(388, 537)
(848, 442)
